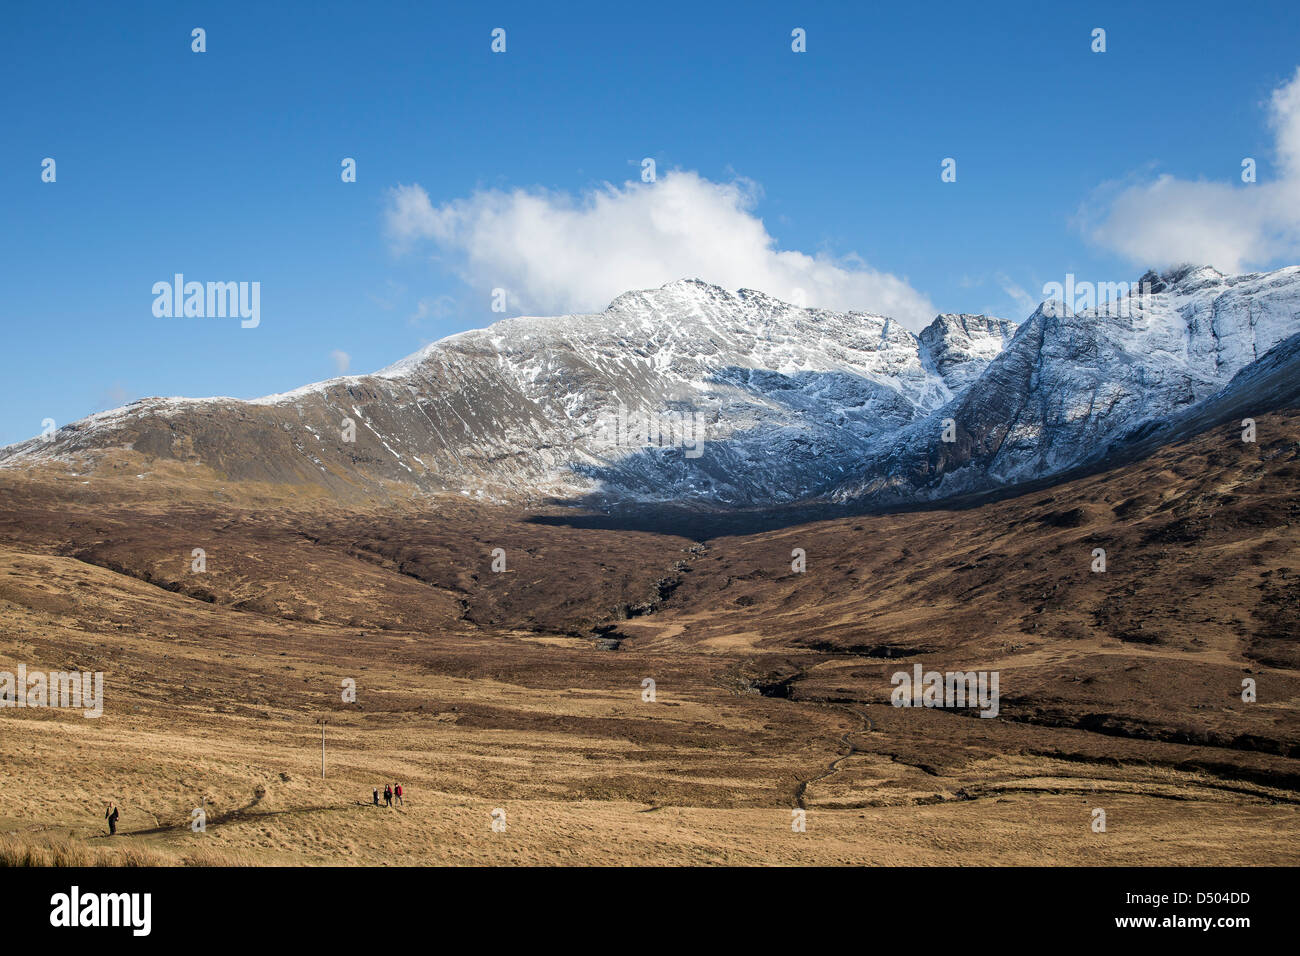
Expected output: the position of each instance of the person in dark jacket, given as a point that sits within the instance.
(111, 816)
(388, 795)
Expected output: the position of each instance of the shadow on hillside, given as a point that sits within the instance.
(1269, 384)
(1266, 385)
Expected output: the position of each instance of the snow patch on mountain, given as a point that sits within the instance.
(791, 403)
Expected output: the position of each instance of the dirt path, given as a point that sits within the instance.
(846, 741)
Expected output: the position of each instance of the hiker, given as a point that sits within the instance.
(397, 792)
(111, 816)
(376, 796)
(388, 795)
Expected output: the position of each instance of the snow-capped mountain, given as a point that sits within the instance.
(693, 394)
(783, 399)
(960, 347)
(1075, 389)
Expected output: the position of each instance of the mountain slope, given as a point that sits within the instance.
(1073, 389)
(784, 398)
(691, 394)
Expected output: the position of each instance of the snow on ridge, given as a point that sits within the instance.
(794, 400)
(314, 388)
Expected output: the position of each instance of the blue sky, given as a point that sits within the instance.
(225, 165)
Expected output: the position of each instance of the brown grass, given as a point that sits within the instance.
(46, 850)
(476, 690)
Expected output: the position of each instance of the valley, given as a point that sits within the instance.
(522, 690)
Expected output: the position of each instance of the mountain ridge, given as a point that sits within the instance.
(791, 404)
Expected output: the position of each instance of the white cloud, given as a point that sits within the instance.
(1232, 226)
(1025, 303)
(556, 253)
(342, 360)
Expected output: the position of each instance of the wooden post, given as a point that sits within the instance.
(322, 721)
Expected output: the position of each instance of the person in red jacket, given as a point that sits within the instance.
(397, 792)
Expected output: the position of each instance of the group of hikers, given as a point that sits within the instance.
(392, 794)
